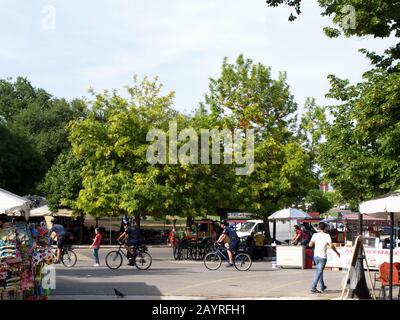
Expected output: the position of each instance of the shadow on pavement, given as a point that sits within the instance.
(106, 289)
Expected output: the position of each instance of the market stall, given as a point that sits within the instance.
(25, 253)
(14, 205)
(372, 226)
(290, 255)
(387, 206)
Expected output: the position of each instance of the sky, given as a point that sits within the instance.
(67, 47)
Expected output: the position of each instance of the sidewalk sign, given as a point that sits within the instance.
(351, 269)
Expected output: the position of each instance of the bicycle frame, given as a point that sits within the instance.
(136, 249)
(222, 252)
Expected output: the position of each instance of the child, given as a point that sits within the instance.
(96, 246)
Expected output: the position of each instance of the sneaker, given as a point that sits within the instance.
(315, 291)
(96, 265)
(323, 288)
(229, 265)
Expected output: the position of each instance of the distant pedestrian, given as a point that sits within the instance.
(250, 244)
(321, 241)
(96, 247)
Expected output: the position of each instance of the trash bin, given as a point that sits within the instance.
(309, 258)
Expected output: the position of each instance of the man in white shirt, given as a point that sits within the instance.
(321, 241)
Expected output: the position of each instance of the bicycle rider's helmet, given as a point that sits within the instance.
(225, 223)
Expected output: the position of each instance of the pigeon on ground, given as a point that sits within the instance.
(118, 293)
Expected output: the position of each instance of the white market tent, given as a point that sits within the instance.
(41, 212)
(13, 205)
(288, 215)
(382, 207)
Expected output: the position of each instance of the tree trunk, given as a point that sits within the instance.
(189, 221)
(81, 220)
(223, 213)
(137, 220)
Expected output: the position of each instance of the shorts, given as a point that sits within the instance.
(60, 242)
(234, 245)
(133, 242)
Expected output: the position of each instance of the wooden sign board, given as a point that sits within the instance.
(358, 245)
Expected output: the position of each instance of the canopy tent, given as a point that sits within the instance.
(382, 207)
(44, 211)
(41, 212)
(13, 205)
(289, 214)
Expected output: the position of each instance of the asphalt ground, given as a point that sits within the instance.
(170, 279)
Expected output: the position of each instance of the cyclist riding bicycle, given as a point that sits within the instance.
(233, 244)
(132, 237)
(62, 237)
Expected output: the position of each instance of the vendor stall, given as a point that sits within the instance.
(24, 254)
(371, 224)
(290, 255)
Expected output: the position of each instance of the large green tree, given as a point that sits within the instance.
(246, 96)
(21, 165)
(63, 182)
(116, 176)
(361, 154)
(377, 18)
(39, 120)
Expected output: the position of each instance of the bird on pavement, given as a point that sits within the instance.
(119, 293)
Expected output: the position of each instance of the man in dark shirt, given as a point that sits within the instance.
(62, 236)
(250, 244)
(132, 237)
(233, 240)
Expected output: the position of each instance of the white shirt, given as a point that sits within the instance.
(321, 241)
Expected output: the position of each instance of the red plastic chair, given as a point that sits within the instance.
(383, 277)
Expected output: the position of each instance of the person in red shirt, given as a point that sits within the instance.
(96, 246)
(298, 236)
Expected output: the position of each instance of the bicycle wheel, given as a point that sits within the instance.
(114, 260)
(243, 262)
(68, 258)
(143, 261)
(212, 261)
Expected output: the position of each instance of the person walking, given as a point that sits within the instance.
(320, 240)
(96, 246)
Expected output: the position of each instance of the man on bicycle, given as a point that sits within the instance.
(132, 237)
(62, 236)
(233, 244)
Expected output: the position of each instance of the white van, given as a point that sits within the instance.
(257, 226)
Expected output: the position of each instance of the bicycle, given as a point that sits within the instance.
(68, 256)
(213, 260)
(142, 259)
